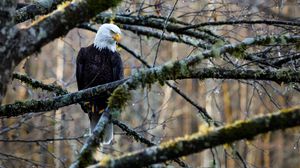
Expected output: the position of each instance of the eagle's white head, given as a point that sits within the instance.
(107, 36)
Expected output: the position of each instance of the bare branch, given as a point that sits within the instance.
(42, 140)
(158, 23)
(140, 138)
(139, 30)
(235, 22)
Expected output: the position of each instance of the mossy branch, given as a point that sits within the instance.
(32, 10)
(244, 129)
(29, 106)
(37, 84)
(280, 76)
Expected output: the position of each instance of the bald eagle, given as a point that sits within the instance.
(98, 64)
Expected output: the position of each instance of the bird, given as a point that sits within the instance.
(97, 64)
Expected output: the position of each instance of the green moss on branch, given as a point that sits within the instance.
(121, 94)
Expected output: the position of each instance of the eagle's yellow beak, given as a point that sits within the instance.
(117, 37)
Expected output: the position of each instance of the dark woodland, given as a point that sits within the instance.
(207, 83)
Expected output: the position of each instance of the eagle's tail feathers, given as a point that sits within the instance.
(108, 133)
(108, 130)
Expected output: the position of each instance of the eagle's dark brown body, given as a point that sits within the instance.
(96, 67)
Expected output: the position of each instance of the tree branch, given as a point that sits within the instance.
(235, 22)
(158, 23)
(42, 140)
(37, 84)
(7, 12)
(21, 5)
(7, 32)
(198, 142)
(29, 106)
(37, 8)
(279, 76)
(157, 34)
(169, 37)
(140, 138)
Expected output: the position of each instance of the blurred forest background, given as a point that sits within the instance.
(53, 139)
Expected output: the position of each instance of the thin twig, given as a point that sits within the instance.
(163, 32)
(140, 138)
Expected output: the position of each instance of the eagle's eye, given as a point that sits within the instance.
(112, 32)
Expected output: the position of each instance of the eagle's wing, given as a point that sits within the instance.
(80, 65)
(79, 69)
(118, 71)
